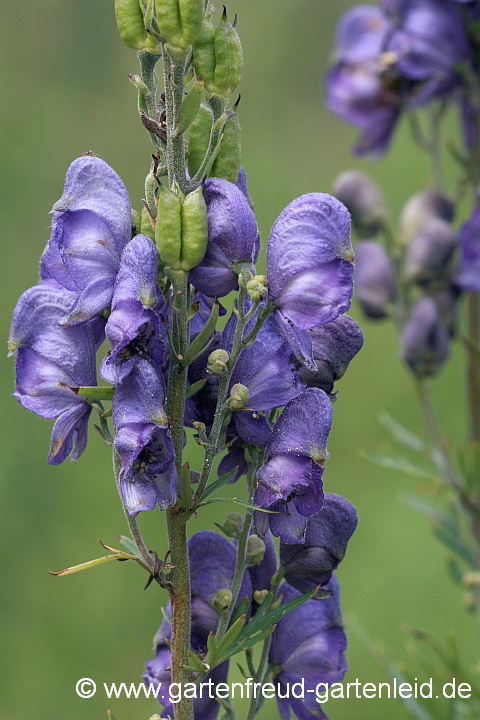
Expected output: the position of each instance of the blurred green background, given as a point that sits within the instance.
(63, 74)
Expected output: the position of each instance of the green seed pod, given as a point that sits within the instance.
(204, 54)
(229, 159)
(131, 26)
(194, 229)
(168, 231)
(198, 138)
(190, 107)
(180, 21)
(146, 225)
(228, 57)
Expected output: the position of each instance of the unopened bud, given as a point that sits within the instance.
(233, 525)
(425, 343)
(217, 362)
(222, 600)
(364, 200)
(257, 288)
(255, 550)
(430, 252)
(260, 595)
(421, 207)
(238, 397)
(374, 279)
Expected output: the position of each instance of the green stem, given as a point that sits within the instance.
(436, 146)
(173, 70)
(473, 366)
(241, 560)
(147, 73)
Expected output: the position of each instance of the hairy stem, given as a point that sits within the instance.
(173, 71)
(149, 102)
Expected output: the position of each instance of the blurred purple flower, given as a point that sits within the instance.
(425, 343)
(468, 275)
(374, 279)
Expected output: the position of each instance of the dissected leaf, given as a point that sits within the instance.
(400, 464)
(401, 433)
(219, 482)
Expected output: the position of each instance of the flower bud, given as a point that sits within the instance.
(421, 207)
(181, 232)
(233, 525)
(222, 600)
(198, 138)
(430, 252)
(257, 288)
(229, 159)
(425, 340)
(218, 56)
(217, 362)
(255, 550)
(238, 397)
(364, 200)
(131, 26)
(180, 21)
(374, 285)
(260, 595)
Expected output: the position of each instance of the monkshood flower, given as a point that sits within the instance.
(148, 476)
(363, 199)
(51, 360)
(308, 645)
(324, 547)
(430, 252)
(429, 41)
(267, 370)
(134, 328)
(233, 458)
(92, 223)
(424, 341)
(374, 279)
(233, 239)
(334, 347)
(468, 275)
(361, 86)
(290, 483)
(158, 672)
(310, 267)
(212, 565)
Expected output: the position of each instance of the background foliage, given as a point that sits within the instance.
(63, 73)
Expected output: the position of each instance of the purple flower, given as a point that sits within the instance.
(158, 672)
(310, 267)
(429, 41)
(325, 545)
(267, 370)
(468, 275)
(233, 239)
(425, 343)
(374, 279)
(290, 482)
(421, 207)
(92, 223)
(234, 458)
(51, 360)
(361, 34)
(212, 561)
(334, 347)
(363, 199)
(134, 328)
(308, 644)
(430, 253)
(148, 476)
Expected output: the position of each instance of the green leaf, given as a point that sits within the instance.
(130, 546)
(400, 464)
(231, 635)
(455, 571)
(401, 433)
(91, 564)
(195, 663)
(219, 482)
(242, 609)
(428, 510)
(95, 393)
(194, 388)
